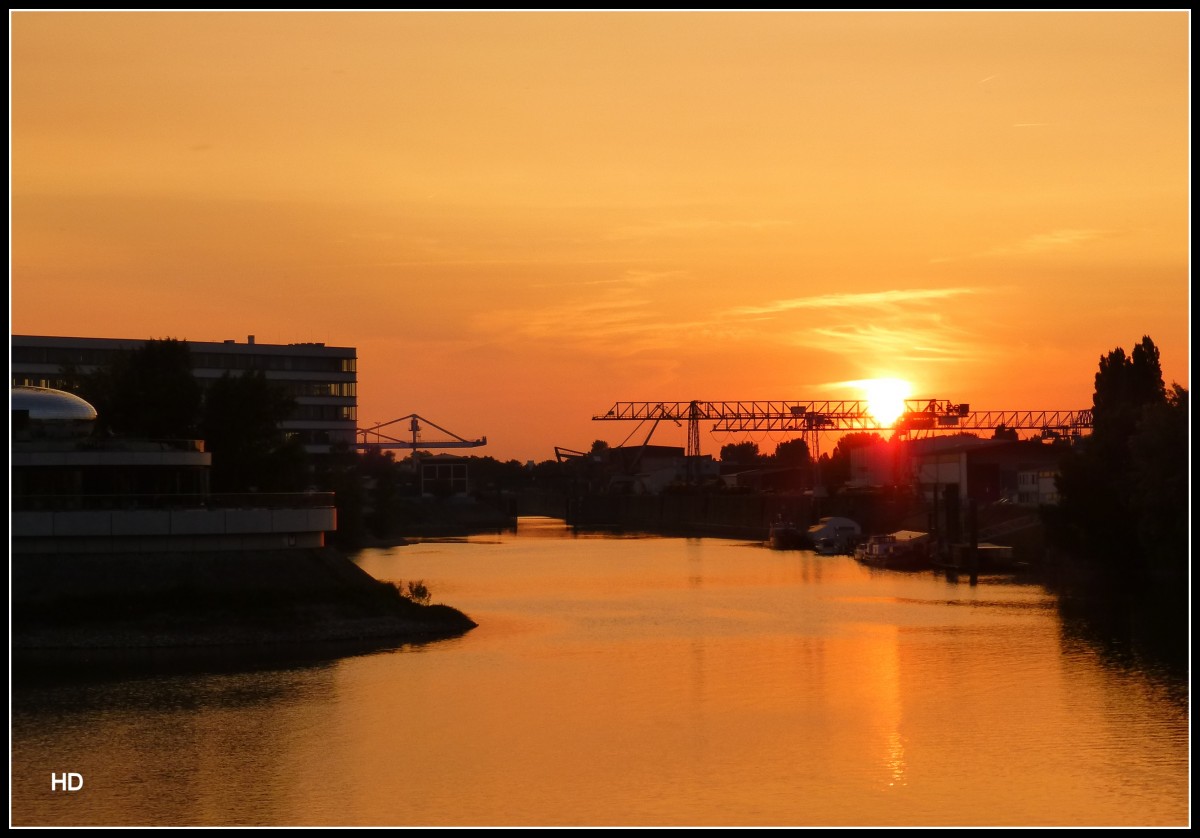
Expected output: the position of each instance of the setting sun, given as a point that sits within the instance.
(885, 397)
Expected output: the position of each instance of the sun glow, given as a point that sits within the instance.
(885, 398)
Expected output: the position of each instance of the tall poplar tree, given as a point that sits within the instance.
(1099, 518)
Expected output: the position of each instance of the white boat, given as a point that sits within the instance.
(832, 535)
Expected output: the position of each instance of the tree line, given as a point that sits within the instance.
(1123, 490)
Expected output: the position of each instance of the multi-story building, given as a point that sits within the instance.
(322, 379)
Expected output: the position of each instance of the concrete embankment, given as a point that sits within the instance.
(201, 599)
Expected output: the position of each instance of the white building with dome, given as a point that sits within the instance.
(73, 492)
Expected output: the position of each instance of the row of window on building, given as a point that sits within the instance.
(323, 379)
(72, 357)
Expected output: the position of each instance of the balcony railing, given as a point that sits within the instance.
(248, 500)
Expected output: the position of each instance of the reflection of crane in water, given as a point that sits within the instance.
(374, 439)
(811, 418)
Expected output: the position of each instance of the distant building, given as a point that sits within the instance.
(322, 379)
(648, 469)
(781, 479)
(877, 464)
(1037, 486)
(987, 470)
(444, 474)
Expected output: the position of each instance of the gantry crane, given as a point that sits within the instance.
(812, 418)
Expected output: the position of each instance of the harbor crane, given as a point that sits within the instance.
(811, 418)
(374, 439)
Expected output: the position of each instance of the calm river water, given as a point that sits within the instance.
(619, 680)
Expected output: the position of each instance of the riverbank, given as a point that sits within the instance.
(158, 600)
(750, 516)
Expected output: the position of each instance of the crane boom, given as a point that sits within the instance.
(373, 437)
(846, 415)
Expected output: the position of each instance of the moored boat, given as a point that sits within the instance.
(785, 535)
(987, 557)
(833, 535)
(900, 550)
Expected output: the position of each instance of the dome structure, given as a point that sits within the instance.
(54, 411)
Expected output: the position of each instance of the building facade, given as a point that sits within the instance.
(74, 493)
(322, 379)
(987, 470)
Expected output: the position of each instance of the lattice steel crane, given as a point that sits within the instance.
(815, 417)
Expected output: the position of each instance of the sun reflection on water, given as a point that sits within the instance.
(896, 764)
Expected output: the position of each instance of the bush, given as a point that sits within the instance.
(416, 592)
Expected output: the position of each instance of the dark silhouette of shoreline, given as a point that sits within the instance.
(249, 598)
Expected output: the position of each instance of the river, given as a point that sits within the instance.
(625, 680)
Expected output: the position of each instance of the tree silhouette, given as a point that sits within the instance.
(792, 453)
(1160, 485)
(1117, 485)
(241, 427)
(147, 392)
(836, 470)
(743, 454)
(1005, 432)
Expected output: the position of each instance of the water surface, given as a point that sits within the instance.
(623, 680)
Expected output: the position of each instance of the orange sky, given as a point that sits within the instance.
(521, 218)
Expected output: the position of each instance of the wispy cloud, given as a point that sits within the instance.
(902, 325)
(621, 321)
(870, 299)
(637, 277)
(916, 340)
(618, 322)
(467, 262)
(1053, 241)
(1044, 242)
(695, 226)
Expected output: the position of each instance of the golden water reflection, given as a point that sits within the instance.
(656, 682)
